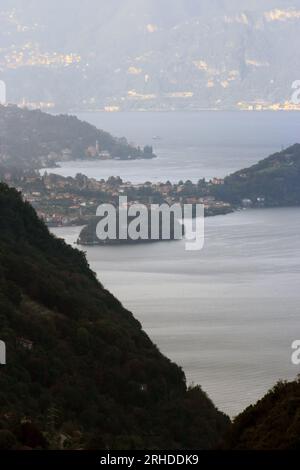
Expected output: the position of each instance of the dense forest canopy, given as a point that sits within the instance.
(80, 371)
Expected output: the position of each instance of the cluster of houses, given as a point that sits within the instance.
(62, 200)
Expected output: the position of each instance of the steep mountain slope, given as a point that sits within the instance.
(272, 424)
(149, 54)
(80, 371)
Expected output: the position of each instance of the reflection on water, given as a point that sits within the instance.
(227, 314)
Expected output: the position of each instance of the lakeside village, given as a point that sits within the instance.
(67, 201)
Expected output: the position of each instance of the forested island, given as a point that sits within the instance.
(89, 235)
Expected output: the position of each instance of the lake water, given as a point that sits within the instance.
(227, 314)
(191, 145)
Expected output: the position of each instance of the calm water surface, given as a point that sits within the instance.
(191, 145)
(227, 314)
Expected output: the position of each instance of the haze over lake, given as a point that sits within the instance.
(229, 313)
(190, 145)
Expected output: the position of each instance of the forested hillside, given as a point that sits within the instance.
(272, 424)
(274, 181)
(80, 371)
(33, 139)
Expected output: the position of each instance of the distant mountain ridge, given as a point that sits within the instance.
(150, 54)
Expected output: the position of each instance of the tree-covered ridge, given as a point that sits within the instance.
(274, 181)
(80, 371)
(272, 424)
(33, 139)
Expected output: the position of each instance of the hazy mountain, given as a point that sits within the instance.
(149, 53)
